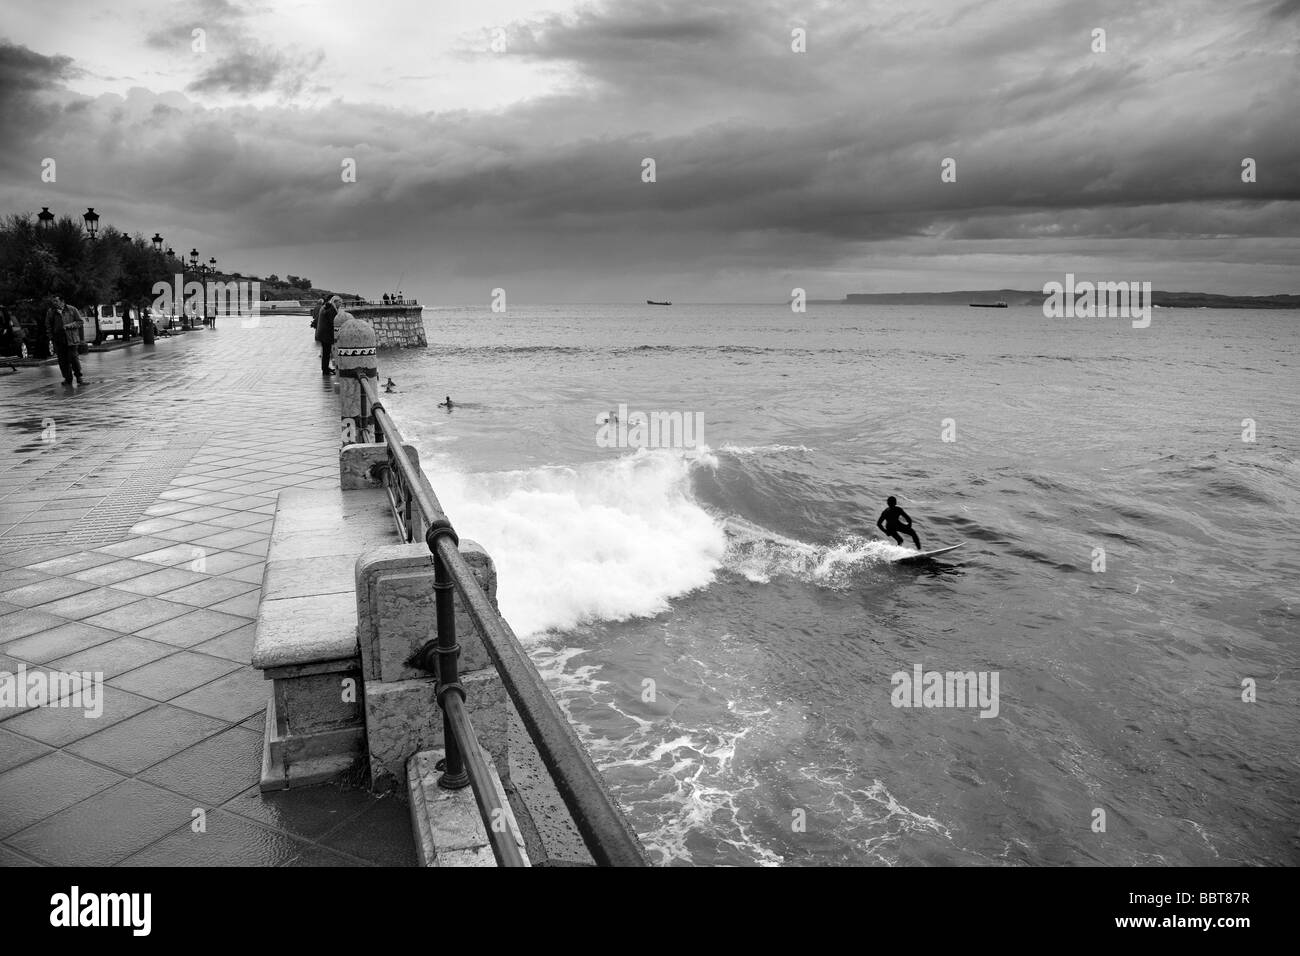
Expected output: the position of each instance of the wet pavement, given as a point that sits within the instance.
(135, 514)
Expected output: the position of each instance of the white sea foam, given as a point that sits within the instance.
(607, 540)
(758, 554)
(746, 450)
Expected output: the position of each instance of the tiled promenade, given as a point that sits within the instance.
(135, 513)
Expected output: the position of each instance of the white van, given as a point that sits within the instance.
(101, 321)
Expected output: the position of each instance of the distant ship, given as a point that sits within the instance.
(653, 302)
(988, 305)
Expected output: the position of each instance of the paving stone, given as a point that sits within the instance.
(45, 527)
(244, 605)
(154, 525)
(229, 840)
(192, 533)
(107, 827)
(308, 812)
(252, 574)
(133, 546)
(26, 621)
(193, 628)
(42, 592)
(173, 675)
(171, 555)
(120, 570)
(222, 562)
(60, 726)
(67, 564)
(114, 657)
(233, 538)
(164, 508)
(208, 592)
(204, 514)
(215, 769)
(316, 856)
(149, 737)
(157, 581)
(67, 638)
(134, 617)
(235, 646)
(234, 697)
(237, 519)
(17, 577)
(16, 749)
(37, 553)
(88, 603)
(40, 788)
(10, 860)
(381, 834)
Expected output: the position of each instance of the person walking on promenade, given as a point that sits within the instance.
(64, 324)
(324, 322)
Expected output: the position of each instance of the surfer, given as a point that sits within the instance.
(891, 522)
(390, 386)
(447, 404)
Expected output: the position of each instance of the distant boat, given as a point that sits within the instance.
(653, 302)
(988, 305)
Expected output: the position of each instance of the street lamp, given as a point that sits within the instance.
(46, 218)
(92, 221)
(187, 317)
(170, 254)
(200, 268)
(212, 268)
(157, 242)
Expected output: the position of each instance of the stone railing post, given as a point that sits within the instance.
(355, 354)
(395, 620)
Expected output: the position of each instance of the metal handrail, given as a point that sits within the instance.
(606, 832)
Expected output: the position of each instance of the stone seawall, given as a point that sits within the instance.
(396, 326)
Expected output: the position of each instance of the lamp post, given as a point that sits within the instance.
(91, 219)
(198, 267)
(46, 218)
(146, 317)
(169, 254)
(212, 270)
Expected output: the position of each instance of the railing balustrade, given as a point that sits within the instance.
(419, 516)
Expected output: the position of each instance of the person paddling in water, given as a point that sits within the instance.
(891, 522)
(447, 404)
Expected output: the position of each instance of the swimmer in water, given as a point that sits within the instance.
(447, 404)
(390, 386)
(891, 522)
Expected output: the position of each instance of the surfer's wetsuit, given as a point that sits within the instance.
(890, 523)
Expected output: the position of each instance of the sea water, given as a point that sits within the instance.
(722, 621)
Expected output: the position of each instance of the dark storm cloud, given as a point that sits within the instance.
(25, 111)
(23, 70)
(256, 69)
(242, 63)
(766, 159)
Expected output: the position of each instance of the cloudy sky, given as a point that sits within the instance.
(501, 142)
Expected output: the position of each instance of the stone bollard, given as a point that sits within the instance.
(395, 619)
(355, 349)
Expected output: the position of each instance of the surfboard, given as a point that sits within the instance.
(927, 555)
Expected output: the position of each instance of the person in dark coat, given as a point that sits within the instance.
(325, 333)
(64, 324)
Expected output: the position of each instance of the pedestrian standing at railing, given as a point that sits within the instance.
(324, 323)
